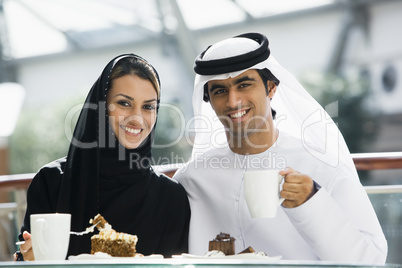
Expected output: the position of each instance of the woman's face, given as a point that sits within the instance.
(132, 103)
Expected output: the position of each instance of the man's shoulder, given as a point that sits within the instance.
(200, 163)
(288, 140)
(213, 152)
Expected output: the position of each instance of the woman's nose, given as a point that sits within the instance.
(135, 114)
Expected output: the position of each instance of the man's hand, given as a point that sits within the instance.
(297, 188)
(26, 248)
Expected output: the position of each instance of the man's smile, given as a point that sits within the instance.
(239, 114)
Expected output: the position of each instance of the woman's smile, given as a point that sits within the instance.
(135, 130)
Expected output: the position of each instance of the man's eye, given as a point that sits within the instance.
(218, 91)
(244, 85)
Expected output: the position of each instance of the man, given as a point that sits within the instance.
(326, 214)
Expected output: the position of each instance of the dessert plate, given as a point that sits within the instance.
(253, 256)
(103, 256)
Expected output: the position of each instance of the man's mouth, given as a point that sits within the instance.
(131, 130)
(238, 114)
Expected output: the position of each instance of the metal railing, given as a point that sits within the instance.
(364, 161)
(372, 161)
(380, 195)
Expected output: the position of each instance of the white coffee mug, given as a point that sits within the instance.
(262, 192)
(50, 236)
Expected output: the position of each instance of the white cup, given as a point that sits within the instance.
(262, 192)
(50, 236)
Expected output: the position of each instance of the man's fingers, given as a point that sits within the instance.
(297, 178)
(291, 195)
(290, 204)
(296, 189)
(287, 171)
(291, 187)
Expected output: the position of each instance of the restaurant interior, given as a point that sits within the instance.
(52, 51)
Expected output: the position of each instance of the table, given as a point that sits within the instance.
(188, 263)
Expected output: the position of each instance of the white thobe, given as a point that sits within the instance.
(337, 224)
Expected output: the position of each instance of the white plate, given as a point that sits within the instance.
(103, 256)
(248, 256)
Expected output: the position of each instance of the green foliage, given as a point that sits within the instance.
(40, 137)
(356, 118)
(170, 144)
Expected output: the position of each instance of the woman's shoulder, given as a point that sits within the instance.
(165, 181)
(48, 177)
(57, 165)
(170, 190)
(162, 178)
(52, 170)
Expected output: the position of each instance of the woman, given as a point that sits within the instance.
(107, 169)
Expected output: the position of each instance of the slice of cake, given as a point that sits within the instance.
(111, 242)
(114, 243)
(247, 250)
(100, 222)
(223, 242)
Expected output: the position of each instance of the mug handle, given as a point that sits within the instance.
(280, 200)
(41, 241)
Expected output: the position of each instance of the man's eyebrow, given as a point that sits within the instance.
(243, 79)
(215, 86)
(237, 81)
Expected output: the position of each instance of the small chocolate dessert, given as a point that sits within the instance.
(223, 242)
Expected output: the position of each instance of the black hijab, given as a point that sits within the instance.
(98, 168)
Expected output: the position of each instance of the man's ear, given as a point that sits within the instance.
(271, 89)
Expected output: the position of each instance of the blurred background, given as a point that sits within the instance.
(343, 51)
(347, 52)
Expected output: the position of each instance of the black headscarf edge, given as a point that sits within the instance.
(77, 191)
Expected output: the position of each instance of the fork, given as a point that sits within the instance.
(88, 230)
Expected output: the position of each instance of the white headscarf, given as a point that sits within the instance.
(298, 113)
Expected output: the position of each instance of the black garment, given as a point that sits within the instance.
(93, 179)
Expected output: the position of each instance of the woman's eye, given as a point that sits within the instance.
(124, 103)
(149, 107)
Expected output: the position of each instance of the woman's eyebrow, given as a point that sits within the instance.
(123, 95)
(131, 98)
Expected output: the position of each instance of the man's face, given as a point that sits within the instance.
(242, 104)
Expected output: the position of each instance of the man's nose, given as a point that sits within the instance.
(234, 99)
